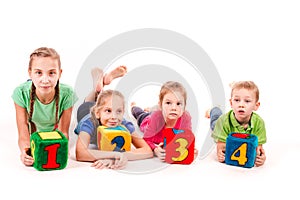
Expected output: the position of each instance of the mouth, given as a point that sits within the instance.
(241, 112)
(113, 124)
(173, 114)
(45, 87)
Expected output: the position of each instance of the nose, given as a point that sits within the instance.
(173, 107)
(113, 115)
(241, 104)
(45, 78)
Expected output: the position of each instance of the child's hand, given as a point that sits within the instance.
(260, 156)
(221, 146)
(160, 152)
(120, 161)
(26, 158)
(103, 163)
(195, 153)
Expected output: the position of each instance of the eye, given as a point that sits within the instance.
(119, 111)
(107, 110)
(236, 100)
(168, 102)
(179, 104)
(248, 101)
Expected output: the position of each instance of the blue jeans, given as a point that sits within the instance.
(215, 113)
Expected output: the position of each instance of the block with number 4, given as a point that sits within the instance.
(241, 149)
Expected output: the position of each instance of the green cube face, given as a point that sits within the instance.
(49, 150)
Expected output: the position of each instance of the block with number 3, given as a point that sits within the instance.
(179, 146)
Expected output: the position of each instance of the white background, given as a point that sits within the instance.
(246, 40)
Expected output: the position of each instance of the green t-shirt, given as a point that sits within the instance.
(227, 124)
(44, 114)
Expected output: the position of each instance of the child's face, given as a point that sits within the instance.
(172, 106)
(112, 112)
(243, 102)
(45, 73)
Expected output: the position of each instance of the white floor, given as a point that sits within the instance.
(204, 178)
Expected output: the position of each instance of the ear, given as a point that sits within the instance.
(60, 72)
(230, 102)
(159, 105)
(97, 112)
(257, 104)
(29, 72)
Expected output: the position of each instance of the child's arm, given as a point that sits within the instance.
(142, 149)
(64, 122)
(260, 156)
(83, 153)
(24, 136)
(221, 146)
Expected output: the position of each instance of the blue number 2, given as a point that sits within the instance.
(119, 141)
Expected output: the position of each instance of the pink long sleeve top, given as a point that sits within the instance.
(153, 125)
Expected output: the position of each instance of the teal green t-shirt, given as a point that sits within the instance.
(227, 124)
(44, 114)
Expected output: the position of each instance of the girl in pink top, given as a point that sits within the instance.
(171, 114)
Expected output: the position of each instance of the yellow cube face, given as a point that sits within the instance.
(113, 139)
(50, 135)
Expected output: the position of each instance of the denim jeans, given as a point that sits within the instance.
(215, 113)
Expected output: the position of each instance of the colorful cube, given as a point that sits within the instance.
(179, 146)
(49, 150)
(113, 138)
(241, 149)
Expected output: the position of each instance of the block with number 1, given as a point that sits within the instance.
(49, 150)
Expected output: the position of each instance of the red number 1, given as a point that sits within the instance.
(51, 162)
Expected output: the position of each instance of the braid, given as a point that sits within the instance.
(56, 104)
(32, 99)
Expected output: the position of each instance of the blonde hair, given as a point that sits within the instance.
(172, 86)
(249, 85)
(43, 52)
(102, 100)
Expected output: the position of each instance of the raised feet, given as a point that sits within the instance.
(97, 75)
(116, 73)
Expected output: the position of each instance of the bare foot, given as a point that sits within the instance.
(116, 73)
(147, 109)
(97, 75)
(151, 109)
(132, 104)
(207, 114)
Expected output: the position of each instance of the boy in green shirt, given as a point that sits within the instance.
(242, 118)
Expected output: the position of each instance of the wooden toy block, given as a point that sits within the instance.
(113, 138)
(179, 146)
(49, 150)
(241, 149)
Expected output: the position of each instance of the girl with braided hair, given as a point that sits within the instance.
(42, 103)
